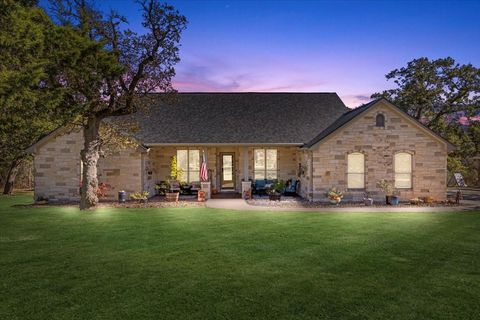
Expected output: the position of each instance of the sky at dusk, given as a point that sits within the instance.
(314, 46)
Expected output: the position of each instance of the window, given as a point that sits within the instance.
(380, 120)
(356, 171)
(265, 164)
(188, 161)
(403, 170)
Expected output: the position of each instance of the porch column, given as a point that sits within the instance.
(245, 163)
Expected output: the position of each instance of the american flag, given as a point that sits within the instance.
(203, 169)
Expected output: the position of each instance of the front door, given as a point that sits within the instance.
(228, 171)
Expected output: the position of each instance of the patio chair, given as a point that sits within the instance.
(174, 186)
(291, 188)
(260, 186)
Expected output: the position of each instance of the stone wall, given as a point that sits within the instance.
(121, 170)
(379, 145)
(57, 168)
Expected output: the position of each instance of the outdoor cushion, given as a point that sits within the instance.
(292, 186)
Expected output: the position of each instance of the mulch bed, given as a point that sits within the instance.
(153, 204)
(301, 203)
(157, 203)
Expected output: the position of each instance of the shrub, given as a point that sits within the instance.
(140, 196)
(334, 194)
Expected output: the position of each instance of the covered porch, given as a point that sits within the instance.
(227, 165)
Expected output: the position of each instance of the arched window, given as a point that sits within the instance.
(403, 170)
(380, 120)
(356, 170)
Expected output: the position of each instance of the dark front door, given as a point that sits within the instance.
(227, 178)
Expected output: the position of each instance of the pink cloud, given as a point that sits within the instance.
(199, 73)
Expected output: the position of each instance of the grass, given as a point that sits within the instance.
(59, 263)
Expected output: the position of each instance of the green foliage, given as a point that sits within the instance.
(28, 103)
(277, 187)
(435, 91)
(140, 196)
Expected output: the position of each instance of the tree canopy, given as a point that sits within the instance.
(27, 102)
(113, 70)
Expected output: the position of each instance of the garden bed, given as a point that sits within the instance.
(156, 202)
(302, 203)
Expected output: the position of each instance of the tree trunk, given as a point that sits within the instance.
(12, 174)
(90, 155)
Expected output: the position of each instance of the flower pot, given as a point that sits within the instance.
(274, 197)
(368, 202)
(394, 200)
(201, 196)
(335, 201)
(172, 196)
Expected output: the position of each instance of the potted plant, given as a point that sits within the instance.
(275, 190)
(334, 195)
(140, 197)
(162, 187)
(391, 196)
(367, 200)
(172, 193)
(172, 196)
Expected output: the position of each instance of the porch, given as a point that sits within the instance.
(227, 165)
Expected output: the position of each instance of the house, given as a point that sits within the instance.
(312, 137)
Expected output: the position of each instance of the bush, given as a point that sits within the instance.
(334, 194)
(140, 196)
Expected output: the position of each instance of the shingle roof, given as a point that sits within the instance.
(196, 118)
(344, 118)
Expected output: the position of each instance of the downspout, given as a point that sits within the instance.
(245, 163)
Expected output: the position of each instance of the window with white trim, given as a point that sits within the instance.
(265, 164)
(403, 170)
(356, 170)
(189, 162)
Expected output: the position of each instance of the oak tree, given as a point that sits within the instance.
(115, 70)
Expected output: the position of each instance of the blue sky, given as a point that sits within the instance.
(341, 46)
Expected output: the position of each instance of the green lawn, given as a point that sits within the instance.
(59, 263)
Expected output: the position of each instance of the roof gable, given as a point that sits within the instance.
(351, 115)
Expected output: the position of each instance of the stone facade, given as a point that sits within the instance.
(57, 168)
(122, 170)
(379, 145)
